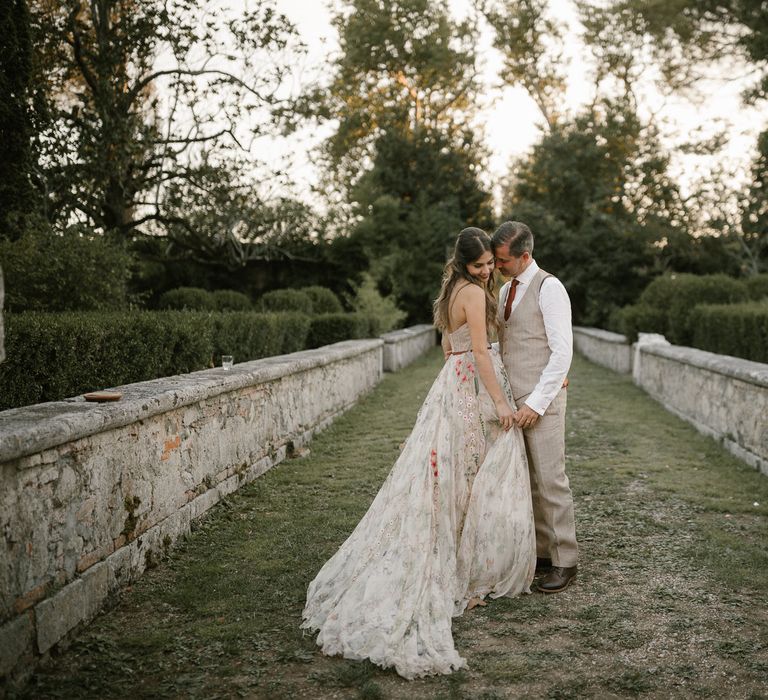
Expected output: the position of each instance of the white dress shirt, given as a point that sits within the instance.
(556, 309)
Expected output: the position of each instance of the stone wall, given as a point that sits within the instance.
(604, 348)
(404, 346)
(722, 396)
(92, 494)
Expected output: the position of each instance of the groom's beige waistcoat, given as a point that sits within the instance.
(523, 342)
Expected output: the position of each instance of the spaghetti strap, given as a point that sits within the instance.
(455, 294)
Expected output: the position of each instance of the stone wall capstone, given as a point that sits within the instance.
(92, 494)
(403, 346)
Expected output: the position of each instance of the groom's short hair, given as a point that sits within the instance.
(517, 235)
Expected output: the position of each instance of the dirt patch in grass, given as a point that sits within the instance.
(670, 601)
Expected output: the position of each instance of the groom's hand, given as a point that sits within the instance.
(525, 417)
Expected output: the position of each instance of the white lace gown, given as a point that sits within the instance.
(452, 521)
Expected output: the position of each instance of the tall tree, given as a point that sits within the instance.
(404, 65)
(607, 216)
(531, 43)
(689, 38)
(227, 224)
(689, 35)
(421, 190)
(139, 92)
(598, 185)
(754, 223)
(403, 93)
(16, 192)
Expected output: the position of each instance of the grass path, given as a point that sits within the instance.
(671, 600)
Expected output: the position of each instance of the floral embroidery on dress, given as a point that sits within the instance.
(462, 530)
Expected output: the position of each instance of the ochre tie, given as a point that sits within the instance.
(510, 298)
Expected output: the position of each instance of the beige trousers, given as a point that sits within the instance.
(552, 499)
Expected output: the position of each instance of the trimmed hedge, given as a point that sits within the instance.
(286, 300)
(53, 356)
(666, 303)
(249, 336)
(73, 270)
(198, 299)
(324, 301)
(230, 300)
(308, 300)
(757, 287)
(332, 328)
(740, 330)
(187, 299)
(639, 318)
(295, 331)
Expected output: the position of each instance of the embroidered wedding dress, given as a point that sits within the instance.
(452, 521)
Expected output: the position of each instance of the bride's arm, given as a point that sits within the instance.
(474, 307)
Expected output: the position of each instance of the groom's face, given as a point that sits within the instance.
(510, 265)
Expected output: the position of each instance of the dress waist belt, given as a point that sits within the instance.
(461, 352)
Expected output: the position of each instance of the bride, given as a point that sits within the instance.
(453, 521)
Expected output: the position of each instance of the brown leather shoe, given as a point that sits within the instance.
(558, 579)
(543, 564)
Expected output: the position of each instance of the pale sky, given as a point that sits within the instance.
(510, 119)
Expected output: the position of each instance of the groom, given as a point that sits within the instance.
(536, 344)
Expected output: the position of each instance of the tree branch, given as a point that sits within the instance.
(228, 77)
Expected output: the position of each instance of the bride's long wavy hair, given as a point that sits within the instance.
(470, 245)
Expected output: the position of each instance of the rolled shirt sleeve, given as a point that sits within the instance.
(556, 309)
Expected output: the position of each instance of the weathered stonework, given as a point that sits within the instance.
(604, 348)
(73, 604)
(404, 346)
(722, 396)
(93, 494)
(16, 639)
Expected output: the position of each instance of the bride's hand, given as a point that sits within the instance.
(505, 413)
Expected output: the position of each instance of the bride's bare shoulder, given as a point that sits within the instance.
(471, 292)
(474, 297)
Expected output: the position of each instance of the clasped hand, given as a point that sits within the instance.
(524, 417)
(505, 413)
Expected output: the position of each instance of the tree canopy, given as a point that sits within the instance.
(402, 66)
(130, 134)
(690, 36)
(597, 187)
(403, 93)
(140, 94)
(532, 46)
(16, 160)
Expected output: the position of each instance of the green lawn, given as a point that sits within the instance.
(671, 599)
